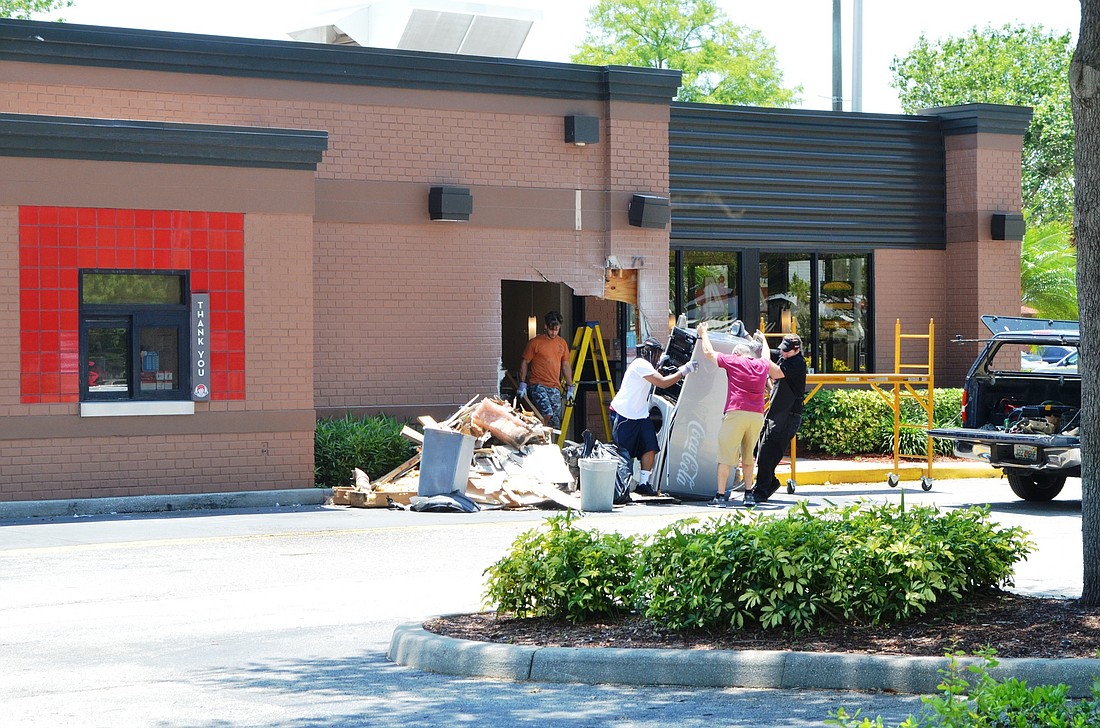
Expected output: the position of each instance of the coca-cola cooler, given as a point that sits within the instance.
(687, 464)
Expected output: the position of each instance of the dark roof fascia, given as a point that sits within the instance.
(86, 45)
(982, 119)
(58, 137)
(816, 116)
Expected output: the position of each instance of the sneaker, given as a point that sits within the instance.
(720, 498)
(750, 498)
(646, 489)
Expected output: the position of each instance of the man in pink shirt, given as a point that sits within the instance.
(747, 380)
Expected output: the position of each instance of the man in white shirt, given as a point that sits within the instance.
(632, 430)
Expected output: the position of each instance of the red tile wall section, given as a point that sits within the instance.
(56, 243)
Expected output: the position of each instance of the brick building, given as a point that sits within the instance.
(206, 243)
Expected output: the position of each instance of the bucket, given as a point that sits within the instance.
(598, 484)
(444, 462)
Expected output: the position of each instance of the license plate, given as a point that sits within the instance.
(1029, 453)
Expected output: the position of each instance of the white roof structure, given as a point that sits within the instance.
(442, 26)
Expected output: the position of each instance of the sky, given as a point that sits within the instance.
(800, 30)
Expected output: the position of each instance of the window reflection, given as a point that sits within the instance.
(842, 313)
(710, 285)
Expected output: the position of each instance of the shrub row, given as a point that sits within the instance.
(878, 564)
(373, 444)
(861, 421)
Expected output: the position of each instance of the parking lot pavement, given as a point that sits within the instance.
(281, 617)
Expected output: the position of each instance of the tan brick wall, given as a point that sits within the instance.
(49, 469)
(9, 307)
(411, 315)
(910, 287)
(279, 317)
(983, 177)
(392, 143)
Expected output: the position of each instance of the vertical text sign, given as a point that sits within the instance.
(200, 347)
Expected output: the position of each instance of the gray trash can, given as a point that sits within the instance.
(444, 462)
(597, 484)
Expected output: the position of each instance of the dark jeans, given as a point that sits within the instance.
(779, 428)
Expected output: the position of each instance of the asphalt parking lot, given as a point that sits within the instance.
(282, 617)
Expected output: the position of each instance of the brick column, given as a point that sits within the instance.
(982, 158)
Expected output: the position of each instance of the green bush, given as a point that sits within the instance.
(861, 421)
(979, 701)
(375, 445)
(880, 564)
(564, 573)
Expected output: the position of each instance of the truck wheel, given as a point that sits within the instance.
(1032, 486)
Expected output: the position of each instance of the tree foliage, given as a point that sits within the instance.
(1085, 85)
(1048, 267)
(1014, 64)
(722, 62)
(25, 9)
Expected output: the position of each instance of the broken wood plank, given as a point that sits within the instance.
(412, 435)
(399, 470)
(427, 421)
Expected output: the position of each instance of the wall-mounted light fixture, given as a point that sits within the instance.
(1007, 226)
(581, 130)
(532, 327)
(649, 211)
(450, 203)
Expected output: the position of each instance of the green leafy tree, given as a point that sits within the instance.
(1085, 85)
(1048, 267)
(25, 9)
(722, 63)
(1015, 64)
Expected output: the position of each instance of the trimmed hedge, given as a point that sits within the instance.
(861, 421)
(881, 564)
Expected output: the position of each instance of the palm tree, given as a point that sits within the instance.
(1048, 271)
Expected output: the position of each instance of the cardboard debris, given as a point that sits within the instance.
(516, 464)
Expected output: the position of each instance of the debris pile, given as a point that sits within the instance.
(515, 464)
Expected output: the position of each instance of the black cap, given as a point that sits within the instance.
(790, 341)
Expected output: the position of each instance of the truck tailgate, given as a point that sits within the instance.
(1000, 437)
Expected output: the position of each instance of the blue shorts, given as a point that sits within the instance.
(637, 437)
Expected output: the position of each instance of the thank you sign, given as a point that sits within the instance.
(200, 347)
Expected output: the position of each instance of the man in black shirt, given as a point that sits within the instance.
(784, 414)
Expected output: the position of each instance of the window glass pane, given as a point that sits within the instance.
(159, 359)
(108, 359)
(843, 312)
(785, 296)
(131, 288)
(710, 285)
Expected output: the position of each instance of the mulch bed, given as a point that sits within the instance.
(1013, 625)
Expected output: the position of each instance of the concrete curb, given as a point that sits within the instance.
(413, 646)
(14, 510)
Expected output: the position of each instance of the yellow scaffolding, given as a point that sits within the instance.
(903, 383)
(587, 340)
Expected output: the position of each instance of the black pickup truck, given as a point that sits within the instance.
(1021, 405)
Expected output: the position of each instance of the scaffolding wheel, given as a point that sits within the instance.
(791, 485)
(892, 480)
(926, 482)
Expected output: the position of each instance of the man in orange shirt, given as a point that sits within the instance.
(546, 360)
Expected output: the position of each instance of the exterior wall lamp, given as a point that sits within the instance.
(581, 130)
(1007, 226)
(450, 203)
(648, 211)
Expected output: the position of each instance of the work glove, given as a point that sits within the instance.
(521, 391)
(688, 368)
(569, 389)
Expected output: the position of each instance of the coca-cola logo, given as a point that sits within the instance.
(689, 455)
